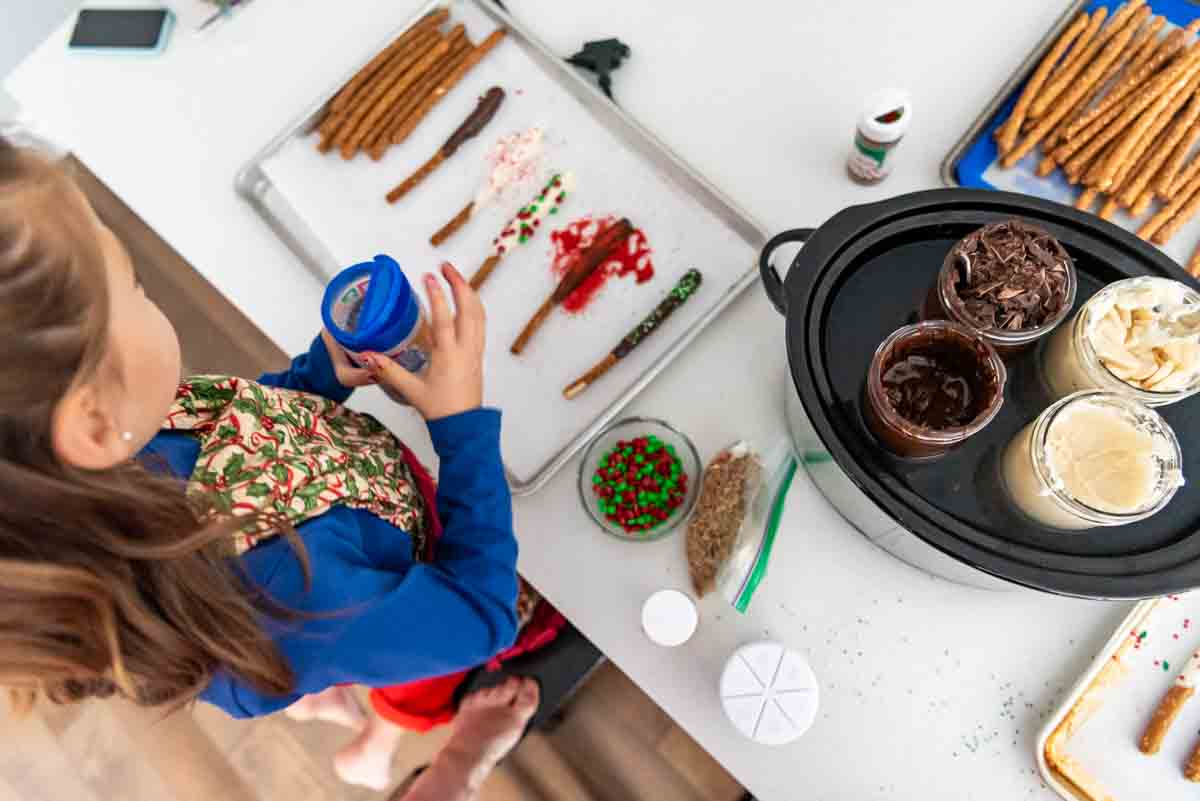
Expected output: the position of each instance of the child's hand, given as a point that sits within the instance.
(347, 374)
(453, 382)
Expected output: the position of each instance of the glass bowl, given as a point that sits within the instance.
(631, 428)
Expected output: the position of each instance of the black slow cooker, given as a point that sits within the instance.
(865, 273)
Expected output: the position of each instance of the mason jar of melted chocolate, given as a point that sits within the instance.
(1011, 281)
(930, 386)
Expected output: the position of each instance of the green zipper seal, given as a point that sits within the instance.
(764, 554)
(814, 456)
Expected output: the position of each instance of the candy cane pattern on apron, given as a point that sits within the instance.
(295, 454)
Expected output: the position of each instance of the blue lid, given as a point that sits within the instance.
(389, 310)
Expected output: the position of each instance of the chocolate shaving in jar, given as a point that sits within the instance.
(1012, 276)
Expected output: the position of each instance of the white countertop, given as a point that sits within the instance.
(929, 689)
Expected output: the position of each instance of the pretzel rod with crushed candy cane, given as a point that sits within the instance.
(514, 159)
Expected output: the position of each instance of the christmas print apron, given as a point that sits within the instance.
(297, 454)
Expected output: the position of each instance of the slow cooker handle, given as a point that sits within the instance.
(772, 283)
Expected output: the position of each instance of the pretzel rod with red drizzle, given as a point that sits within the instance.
(585, 264)
(679, 295)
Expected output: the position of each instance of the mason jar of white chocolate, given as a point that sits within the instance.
(1117, 342)
(1092, 459)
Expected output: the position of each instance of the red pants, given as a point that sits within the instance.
(422, 705)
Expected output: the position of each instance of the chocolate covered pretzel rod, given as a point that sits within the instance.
(679, 295)
(585, 264)
(473, 57)
(470, 128)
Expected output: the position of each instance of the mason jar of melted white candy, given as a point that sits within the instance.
(1118, 342)
(1092, 459)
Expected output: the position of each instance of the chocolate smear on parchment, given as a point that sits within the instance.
(1010, 276)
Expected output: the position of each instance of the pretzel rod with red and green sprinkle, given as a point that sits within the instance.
(523, 226)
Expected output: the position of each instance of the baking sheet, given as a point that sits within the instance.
(1149, 649)
(335, 215)
(973, 162)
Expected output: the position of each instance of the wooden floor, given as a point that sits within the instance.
(612, 744)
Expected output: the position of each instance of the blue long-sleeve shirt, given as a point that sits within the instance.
(384, 619)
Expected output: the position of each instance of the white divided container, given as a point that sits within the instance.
(769, 693)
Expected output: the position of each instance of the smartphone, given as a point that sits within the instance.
(122, 30)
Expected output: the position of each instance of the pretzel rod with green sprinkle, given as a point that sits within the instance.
(679, 295)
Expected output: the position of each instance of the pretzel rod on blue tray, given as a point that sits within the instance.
(1107, 118)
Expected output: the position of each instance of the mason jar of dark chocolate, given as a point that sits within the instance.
(930, 387)
(1012, 282)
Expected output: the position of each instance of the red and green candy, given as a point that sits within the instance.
(639, 484)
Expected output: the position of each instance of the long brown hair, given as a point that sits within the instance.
(111, 581)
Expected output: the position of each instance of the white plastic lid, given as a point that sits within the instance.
(669, 618)
(876, 121)
(769, 693)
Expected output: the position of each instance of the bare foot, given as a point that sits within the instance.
(367, 761)
(334, 705)
(488, 725)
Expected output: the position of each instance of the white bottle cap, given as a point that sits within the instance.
(769, 693)
(669, 618)
(879, 106)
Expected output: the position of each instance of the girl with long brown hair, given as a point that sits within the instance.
(252, 544)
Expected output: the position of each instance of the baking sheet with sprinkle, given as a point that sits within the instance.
(1151, 652)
